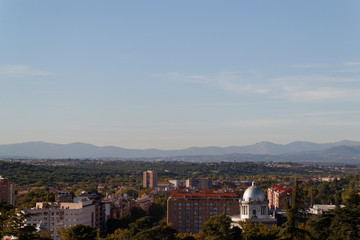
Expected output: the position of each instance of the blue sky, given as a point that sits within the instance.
(175, 74)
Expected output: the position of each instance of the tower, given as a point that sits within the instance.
(7, 191)
(149, 179)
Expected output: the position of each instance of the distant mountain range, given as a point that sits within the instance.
(267, 150)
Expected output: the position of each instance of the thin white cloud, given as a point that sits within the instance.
(315, 78)
(351, 67)
(327, 113)
(226, 80)
(21, 70)
(342, 123)
(323, 94)
(351, 64)
(221, 104)
(308, 65)
(315, 88)
(302, 88)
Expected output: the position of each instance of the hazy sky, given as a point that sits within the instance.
(174, 74)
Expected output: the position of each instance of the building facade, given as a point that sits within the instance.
(277, 195)
(187, 212)
(53, 216)
(7, 191)
(254, 207)
(149, 179)
(199, 183)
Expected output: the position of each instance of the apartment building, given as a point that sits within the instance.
(199, 183)
(7, 191)
(277, 195)
(149, 179)
(188, 211)
(120, 206)
(53, 216)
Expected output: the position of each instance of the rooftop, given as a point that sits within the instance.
(177, 194)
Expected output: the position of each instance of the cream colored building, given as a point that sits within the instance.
(254, 207)
(53, 216)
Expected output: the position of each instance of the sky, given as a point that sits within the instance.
(175, 74)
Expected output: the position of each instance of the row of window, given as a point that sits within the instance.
(244, 211)
(200, 204)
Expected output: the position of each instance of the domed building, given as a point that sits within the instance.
(254, 206)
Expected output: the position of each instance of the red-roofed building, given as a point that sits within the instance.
(187, 211)
(277, 195)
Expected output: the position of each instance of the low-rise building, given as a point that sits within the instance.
(176, 183)
(319, 209)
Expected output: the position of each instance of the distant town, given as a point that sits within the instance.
(109, 199)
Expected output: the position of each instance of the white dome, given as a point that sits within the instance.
(254, 193)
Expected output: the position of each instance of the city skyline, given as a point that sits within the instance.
(172, 75)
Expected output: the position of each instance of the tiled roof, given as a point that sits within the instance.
(281, 188)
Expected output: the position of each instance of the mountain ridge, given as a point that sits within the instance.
(39, 149)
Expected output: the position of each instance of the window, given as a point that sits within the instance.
(263, 210)
(254, 212)
(245, 210)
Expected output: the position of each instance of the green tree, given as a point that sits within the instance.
(79, 232)
(6, 211)
(114, 223)
(157, 233)
(136, 213)
(259, 231)
(346, 222)
(219, 228)
(133, 193)
(292, 230)
(156, 212)
(318, 226)
(36, 194)
(185, 236)
(140, 225)
(13, 225)
(162, 201)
